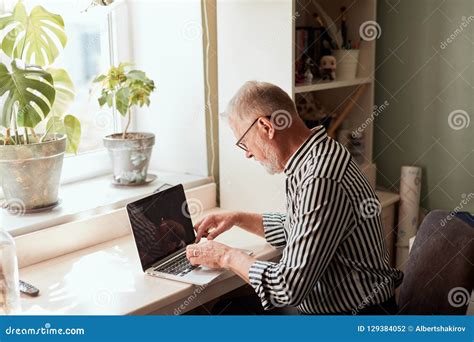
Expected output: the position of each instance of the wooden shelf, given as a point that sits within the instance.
(387, 198)
(323, 85)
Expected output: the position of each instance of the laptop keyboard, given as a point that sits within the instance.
(180, 266)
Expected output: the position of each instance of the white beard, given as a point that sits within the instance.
(271, 165)
(269, 168)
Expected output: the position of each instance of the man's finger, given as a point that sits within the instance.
(201, 231)
(189, 249)
(196, 225)
(192, 251)
(203, 228)
(199, 223)
(219, 229)
(193, 261)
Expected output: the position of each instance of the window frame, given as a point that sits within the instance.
(97, 161)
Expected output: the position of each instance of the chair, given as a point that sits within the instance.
(439, 274)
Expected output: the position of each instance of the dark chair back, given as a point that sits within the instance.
(439, 274)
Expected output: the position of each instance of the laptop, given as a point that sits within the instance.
(162, 228)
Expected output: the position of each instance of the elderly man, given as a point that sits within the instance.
(334, 259)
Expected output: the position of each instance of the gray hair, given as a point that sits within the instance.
(255, 99)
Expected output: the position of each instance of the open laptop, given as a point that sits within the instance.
(162, 228)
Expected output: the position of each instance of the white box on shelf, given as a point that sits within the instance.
(347, 62)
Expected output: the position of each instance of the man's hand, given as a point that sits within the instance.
(217, 255)
(215, 224)
(211, 254)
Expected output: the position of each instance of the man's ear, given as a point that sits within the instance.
(267, 125)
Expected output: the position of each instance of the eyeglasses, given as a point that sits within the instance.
(239, 142)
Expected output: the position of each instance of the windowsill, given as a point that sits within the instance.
(90, 197)
(68, 288)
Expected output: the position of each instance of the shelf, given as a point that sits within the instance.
(387, 198)
(323, 85)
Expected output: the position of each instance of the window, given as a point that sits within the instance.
(160, 37)
(85, 55)
(88, 52)
(163, 38)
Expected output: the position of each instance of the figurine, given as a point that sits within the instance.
(308, 75)
(328, 68)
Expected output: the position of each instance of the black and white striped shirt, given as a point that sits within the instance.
(334, 257)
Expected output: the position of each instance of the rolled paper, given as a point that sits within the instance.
(410, 189)
(401, 258)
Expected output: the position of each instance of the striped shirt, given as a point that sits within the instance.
(334, 258)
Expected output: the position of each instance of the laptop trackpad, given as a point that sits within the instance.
(204, 275)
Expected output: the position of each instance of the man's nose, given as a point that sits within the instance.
(248, 154)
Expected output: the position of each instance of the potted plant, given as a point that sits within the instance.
(121, 89)
(34, 93)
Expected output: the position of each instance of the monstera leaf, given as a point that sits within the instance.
(73, 133)
(35, 38)
(70, 126)
(65, 92)
(31, 88)
(58, 123)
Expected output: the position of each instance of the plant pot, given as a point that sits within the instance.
(30, 173)
(347, 62)
(130, 157)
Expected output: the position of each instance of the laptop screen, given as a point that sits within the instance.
(161, 225)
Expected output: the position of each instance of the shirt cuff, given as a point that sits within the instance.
(256, 271)
(273, 226)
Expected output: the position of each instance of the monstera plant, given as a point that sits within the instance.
(34, 94)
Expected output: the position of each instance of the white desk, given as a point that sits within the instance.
(107, 279)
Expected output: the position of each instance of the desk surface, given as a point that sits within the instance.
(107, 279)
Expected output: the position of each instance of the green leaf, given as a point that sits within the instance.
(31, 88)
(55, 125)
(110, 99)
(35, 38)
(65, 92)
(73, 133)
(137, 75)
(122, 100)
(122, 66)
(99, 78)
(102, 100)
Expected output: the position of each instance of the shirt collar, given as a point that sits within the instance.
(318, 134)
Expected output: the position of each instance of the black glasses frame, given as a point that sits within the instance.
(239, 142)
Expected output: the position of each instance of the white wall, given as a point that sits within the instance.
(167, 44)
(254, 43)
